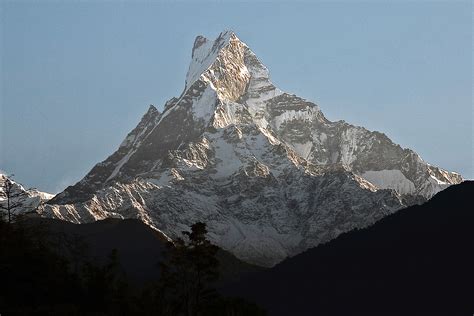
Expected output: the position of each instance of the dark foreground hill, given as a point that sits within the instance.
(417, 261)
(50, 267)
(139, 247)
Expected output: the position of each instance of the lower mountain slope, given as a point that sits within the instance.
(419, 260)
(259, 218)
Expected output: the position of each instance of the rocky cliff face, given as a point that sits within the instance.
(265, 169)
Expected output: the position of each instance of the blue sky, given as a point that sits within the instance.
(77, 76)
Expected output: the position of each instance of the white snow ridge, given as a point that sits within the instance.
(264, 169)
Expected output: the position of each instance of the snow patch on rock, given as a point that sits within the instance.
(205, 105)
(390, 179)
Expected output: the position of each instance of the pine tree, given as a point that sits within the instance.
(188, 275)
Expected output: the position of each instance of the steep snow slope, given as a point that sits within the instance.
(265, 169)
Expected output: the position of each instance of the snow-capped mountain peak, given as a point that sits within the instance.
(268, 173)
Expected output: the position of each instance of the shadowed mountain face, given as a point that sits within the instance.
(419, 260)
(268, 173)
(140, 249)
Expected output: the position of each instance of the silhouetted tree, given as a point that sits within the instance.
(188, 274)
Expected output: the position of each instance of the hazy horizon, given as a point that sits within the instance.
(77, 77)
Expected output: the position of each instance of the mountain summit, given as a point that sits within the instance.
(266, 170)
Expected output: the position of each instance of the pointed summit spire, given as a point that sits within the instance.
(205, 53)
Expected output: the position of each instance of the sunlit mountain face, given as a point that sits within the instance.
(267, 172)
